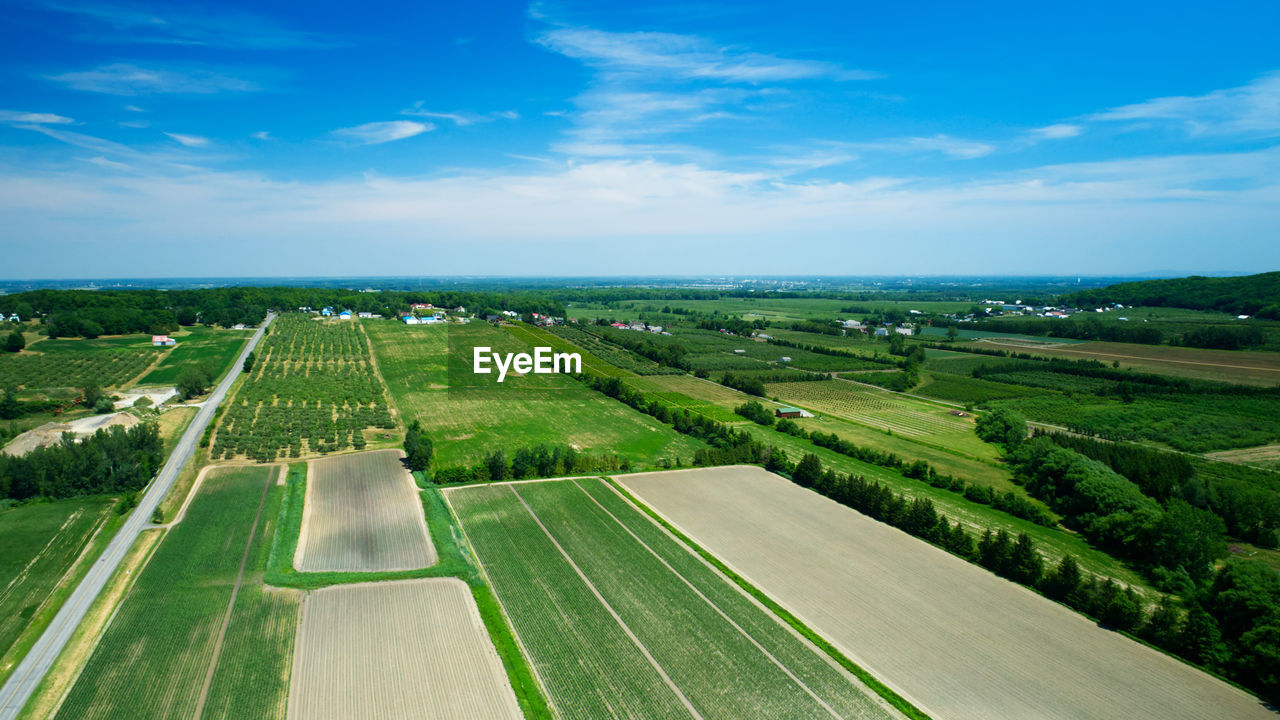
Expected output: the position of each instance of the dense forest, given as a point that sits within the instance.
(109, 461)
(1257, 295)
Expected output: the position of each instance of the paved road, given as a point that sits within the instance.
(22, 683)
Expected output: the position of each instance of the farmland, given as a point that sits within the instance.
(469, 417)
(155, 655)
(362, 515)
(75, 363)
(1016, 655)
(314, 389)
(39, 548)
(620, 621)
(198, 347)
(397, 650)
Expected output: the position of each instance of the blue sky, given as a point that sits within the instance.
(558, 138)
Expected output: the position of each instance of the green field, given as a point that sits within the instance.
(588, 581)
(154, 657)
(469, 415)
(314, 389)
(198, 347)
(39, 546)
(67, 363)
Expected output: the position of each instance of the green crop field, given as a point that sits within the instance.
(314, 389)
(965, 390)
(199, 346)
(39, 545)
(468, 415)
(880, 409)
(64, 363)
(619, 619)
(153, 658)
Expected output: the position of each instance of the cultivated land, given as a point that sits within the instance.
(197, 347)
(884, 410)
(41, 548)
(161, 651)
(468, 421)
(621, 621)
(1266, 456)
(953, 638)
(1234, 366)
(362, 515)
(397, 651)
(313, 389)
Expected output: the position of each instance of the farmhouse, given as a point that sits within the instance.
(882, 332)
(344, 315)
(410, 320)
(163, 341)
(14, 318)
(903, 330)
(785, 358)
(422, 306)
(327, 312)
(786, 411)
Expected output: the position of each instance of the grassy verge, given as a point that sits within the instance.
(453, 560)
(884, 691)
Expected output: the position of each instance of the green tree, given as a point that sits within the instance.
(92, 394)
(1002, 426)
(248, 362)
(192, 381)
(1064, 581)
(15, 342)
(807, 471)
(418, 448)
(10, 408)
(1025, 565)
(952, 334)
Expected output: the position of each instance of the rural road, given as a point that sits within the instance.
(22, 683)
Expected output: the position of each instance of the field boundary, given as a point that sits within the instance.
(900, 703)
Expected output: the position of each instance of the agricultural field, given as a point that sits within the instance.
(619, 620)
(428, 371)
(198, 347)
(966, 390)
(159, 656)
(397, 651)
(1016, 655)
(1266, 457)
(362, 514)
(629, 363)
(314, 389)
(64, 363)
(883, 410)
(701, 396)
(1244, 367)
(41, 545)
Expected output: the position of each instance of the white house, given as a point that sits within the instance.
(163, 341)
(903, 330)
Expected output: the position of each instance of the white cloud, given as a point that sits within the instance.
(1249, 109)
(685, 57)
(128, 79)
(189, 140)
(133, 108)
(375, 133)
(103, 162)
(1058, 131)
(261, 135)
(459, 118)
(31, 118)
(948, 145)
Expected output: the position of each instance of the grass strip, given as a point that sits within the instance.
(897, 701)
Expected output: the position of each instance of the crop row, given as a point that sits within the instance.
(106, 368)
(868, 407)
(314, 390)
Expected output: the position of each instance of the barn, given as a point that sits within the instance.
(786, 411)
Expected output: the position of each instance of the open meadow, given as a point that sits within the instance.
(951, 637)
(362, 515)
(621, 621)
(397, 651)
(198, 346)
(468, 420)
(160, 655)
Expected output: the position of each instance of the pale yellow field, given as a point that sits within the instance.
(959, 642)
(397, 651)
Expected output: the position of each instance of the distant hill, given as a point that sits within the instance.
(1257, 295)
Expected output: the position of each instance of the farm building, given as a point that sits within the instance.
(882, 332)
(739, 352)
(411, 320)
(163, 341)
(14, 318)
(786, 411)
(785, 358)
(327, 312)
(344, 315)
(903, 330)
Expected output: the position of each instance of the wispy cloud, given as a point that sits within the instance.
(1058, 131)
(180, 24)
(460, 119)
(261, 135)
(1249, 109)
(954, 147)
(375, 133)
(195, 141)
(33, 118)
(129, 79)
(685, 57)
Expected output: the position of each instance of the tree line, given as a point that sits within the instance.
(1249, 295)
(112, 460)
